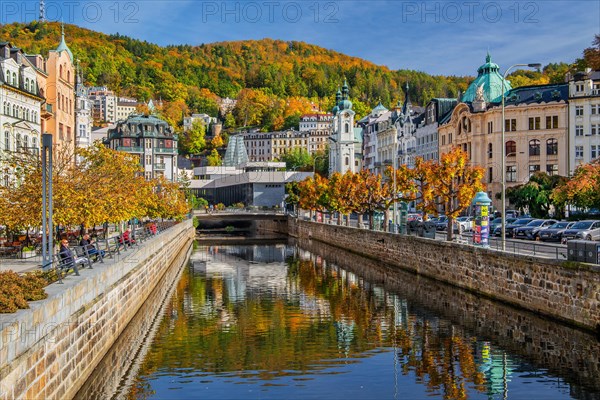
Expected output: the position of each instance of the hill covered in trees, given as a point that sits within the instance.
(277, 80)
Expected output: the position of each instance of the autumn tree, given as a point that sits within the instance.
(193, 141)
(582, 190)
(214, 159)
(368, 194)
(455, 183)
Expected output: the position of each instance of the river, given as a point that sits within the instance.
(309, 321)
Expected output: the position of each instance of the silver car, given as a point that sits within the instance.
(588, 230)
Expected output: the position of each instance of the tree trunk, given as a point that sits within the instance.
(347, 219)
(450, 229)
(340, 218)
(360, 221)
(386, 226)
(371, 220)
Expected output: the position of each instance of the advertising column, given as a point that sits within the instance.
(481, 231)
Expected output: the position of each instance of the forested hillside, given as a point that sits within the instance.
(277, 80)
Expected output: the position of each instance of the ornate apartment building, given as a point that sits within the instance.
(21, 102)
(536, 129)
(152, 140)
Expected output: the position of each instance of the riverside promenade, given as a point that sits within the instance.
(49, 350)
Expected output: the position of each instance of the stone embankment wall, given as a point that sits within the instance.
(566, 291)
(560, 349)
(49, 350)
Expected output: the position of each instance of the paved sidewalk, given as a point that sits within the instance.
(21, 265)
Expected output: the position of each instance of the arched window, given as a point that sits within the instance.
(347, 160)
(26, 142)
(60, 71)
(34, 142)
(6, 141)
(27, 115)
(68, 76)
(18, 142)
(551, 147)
(534, 147)
(346, 128)
(27, 84)
(6, 108)
(14, 113)
(15, 81)
(511, 148)
(490, 150)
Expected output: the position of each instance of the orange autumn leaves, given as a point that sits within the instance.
(103, 186)
(446, 186)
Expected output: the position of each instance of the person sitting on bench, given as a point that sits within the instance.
(127, 239)
(67, 257)
(87, 244)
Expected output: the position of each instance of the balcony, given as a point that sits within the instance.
(160, 166)
(167, 150)
(131, 149)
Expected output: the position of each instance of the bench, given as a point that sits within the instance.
(62, 266)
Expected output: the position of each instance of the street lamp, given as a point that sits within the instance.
(315, 162)
(503, 123)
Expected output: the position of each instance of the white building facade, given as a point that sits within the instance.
(21, 104)
(584, 118)
(83, 115)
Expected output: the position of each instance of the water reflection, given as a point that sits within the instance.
(281, 322)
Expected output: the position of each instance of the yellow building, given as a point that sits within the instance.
(536, 129)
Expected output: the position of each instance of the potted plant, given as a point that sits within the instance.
(28, 252)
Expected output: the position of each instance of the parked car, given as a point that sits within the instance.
(442, 223)
(414, 217)
(496, 223)
(517, 223)
(532, 229)
(462, 224)
(588, 230)
(554, 232)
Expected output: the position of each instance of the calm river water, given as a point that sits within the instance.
(308, 321)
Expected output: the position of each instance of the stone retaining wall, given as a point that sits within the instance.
(566, 291)
(49, 350)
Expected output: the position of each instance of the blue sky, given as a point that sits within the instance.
(438, 37)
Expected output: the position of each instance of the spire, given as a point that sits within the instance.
(488, 57)
(62, 46)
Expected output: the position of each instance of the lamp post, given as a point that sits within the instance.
(503, 123)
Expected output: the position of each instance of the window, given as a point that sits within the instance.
(443, 140)
(511, 173)
(534, 147)
(533, 168)
(534, 123)
(594, 151)
(579, 111)
(61, 135)
(578, 151)
(148, 143)
(552, 122)
(490, 126)
(552, 169)
(148, 175)
(6, 141)
(595, 129)
(579, 88)
(511, 148)
(595, 109)
(551, 147)
(490, 174)
(578, 130)
(81, 130)
(347, 160)
(449, 138)
(19, 144)
(148, 160)
(510, 125)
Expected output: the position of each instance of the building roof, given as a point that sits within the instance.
(134, 125)
(489, 77)
(538, 94)
(62, 46)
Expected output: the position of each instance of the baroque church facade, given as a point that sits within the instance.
(345, 142)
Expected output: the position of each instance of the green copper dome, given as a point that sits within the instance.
(488, 76)
(62, 46)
